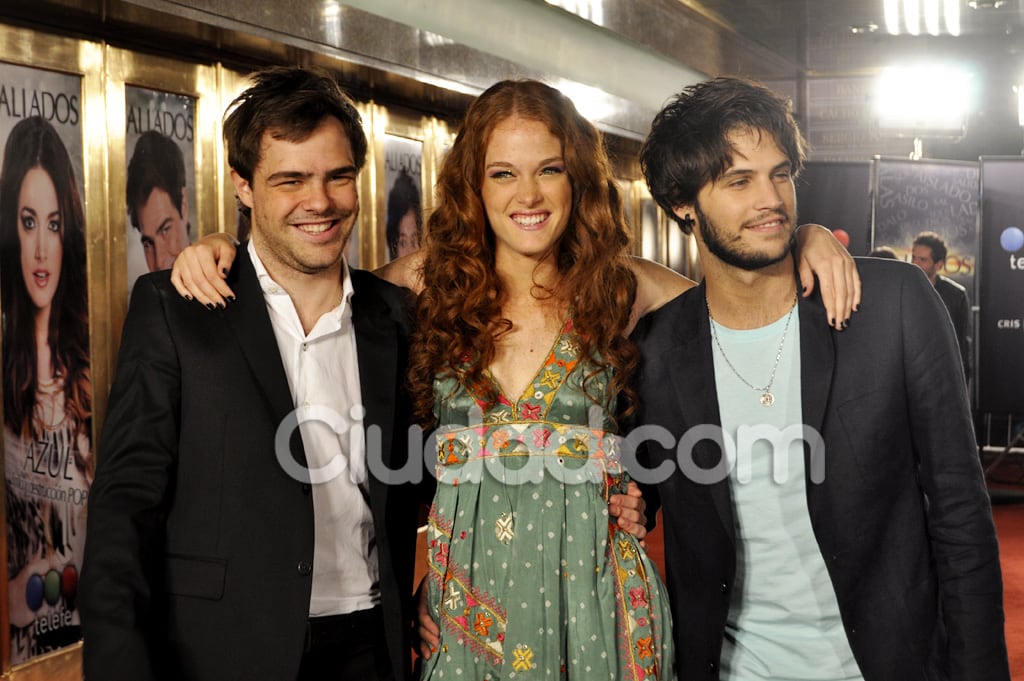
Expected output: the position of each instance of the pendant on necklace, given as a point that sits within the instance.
(767, 399)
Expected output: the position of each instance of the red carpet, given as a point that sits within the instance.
(1009, 517)
(1010, 527)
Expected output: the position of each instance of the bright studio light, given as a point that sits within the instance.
(923, 101)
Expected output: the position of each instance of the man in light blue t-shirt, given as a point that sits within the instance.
(825, 512)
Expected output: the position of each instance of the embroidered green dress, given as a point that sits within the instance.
(528, 578)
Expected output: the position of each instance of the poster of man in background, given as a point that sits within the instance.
(47, 389)
(160, 178)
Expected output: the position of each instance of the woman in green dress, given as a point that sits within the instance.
(520, 355)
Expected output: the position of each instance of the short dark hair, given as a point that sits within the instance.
(884, 252)
(688, 145)
(403, 197)
(156, 163)
(290, 102)
(934, 242)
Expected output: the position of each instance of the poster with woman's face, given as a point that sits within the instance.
(48, 453)
(403, 224)
(160, 193)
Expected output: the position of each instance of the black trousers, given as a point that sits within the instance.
(349, 647)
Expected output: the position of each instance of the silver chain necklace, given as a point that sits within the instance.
(767, 397)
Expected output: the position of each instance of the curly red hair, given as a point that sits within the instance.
(459, 315)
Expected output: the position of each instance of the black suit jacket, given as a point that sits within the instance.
(902, 517)
(199, 545)
(954, 296)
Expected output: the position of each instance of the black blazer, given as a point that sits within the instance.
(902, 517)
(199, 546)
(954, 296)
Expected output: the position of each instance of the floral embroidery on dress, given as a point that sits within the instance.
(523, 658)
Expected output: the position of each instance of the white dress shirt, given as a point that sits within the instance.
(323, 375)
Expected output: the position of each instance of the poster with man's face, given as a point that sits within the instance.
(160, 191)
(48, 456)
(403, 186)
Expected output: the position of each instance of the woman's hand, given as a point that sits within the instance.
(427, 631)
(199, 271)
(628, 509)
(819, 253)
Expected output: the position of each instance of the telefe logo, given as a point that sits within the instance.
(1012, 240)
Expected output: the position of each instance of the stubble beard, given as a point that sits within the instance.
(306, 259)
(712, 237)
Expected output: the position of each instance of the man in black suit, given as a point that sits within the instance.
(825, 512)
(929, 253)
(247, 520)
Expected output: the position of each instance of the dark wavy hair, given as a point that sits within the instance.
(933, 242)
(33, 143)
(289, 103)
(688, 145)
(402, 198)
(459, 313)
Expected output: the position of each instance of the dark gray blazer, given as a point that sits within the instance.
(902, 517)
(199, 546)
(954, 296)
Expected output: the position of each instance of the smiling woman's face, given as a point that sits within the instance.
(526, 190)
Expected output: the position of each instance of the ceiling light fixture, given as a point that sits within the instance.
(951, 13)
(912, 16)
(931, 16)
(892, 16)
(985, 4)
(917, 16)
(860, 29)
